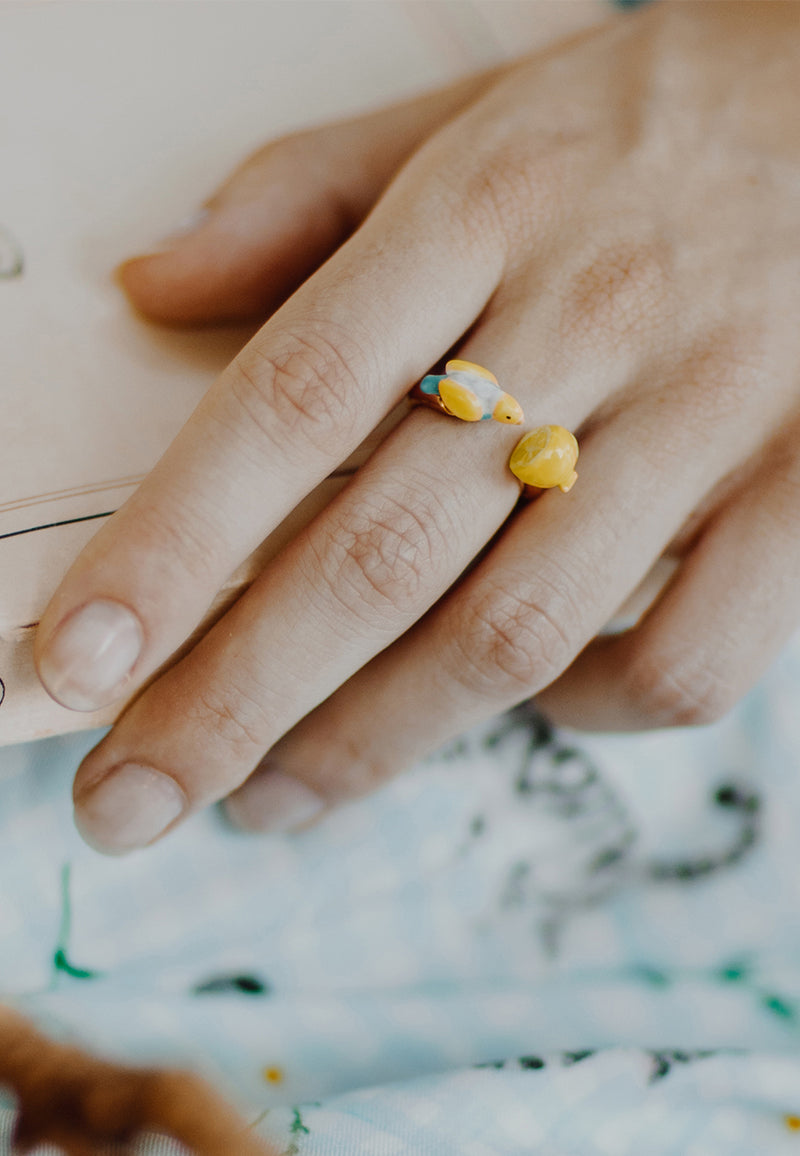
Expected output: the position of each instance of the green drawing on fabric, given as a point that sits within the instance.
(61, 961)
(663, 1062)
(741, 971)
(232, 984)
(737, 971)
(297, 1124)
(779, 1007)
(297, 1130)
(654, 976)
(565, 755)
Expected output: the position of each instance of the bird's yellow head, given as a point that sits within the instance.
(508, 410)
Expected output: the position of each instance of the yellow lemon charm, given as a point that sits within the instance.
(545, 458)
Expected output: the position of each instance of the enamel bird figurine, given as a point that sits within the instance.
(469, 392)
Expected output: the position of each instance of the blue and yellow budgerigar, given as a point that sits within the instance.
(470, 392)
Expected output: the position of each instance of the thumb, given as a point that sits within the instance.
(282, 213)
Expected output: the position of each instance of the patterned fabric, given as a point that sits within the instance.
(536, 942)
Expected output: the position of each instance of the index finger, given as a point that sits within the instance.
(297, 400)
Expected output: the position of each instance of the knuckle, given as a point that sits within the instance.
(513, 194)
(677, 694)
(298, 156)
(617, 291)
(730, 366)
(515, 643)
(286, 153)
(383, 555)
(463, 212)
(507, 190)
(307, 160)
(293, 149)
(301, 394)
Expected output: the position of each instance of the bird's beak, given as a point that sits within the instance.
(508, 410)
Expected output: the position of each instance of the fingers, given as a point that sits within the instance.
(295, 403)
(557, 574)
(369, 566)
(729, 610)
(372, 563)
(282, 213)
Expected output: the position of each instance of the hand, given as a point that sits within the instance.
(613, 224)
(67, 1098)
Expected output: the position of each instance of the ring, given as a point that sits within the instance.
(469, 392)
(545, 457)
(542, 459)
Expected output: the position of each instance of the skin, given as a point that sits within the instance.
(84, 1106)
(611, 227)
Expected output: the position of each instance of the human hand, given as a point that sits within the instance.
(84, 1106)
(613, 225)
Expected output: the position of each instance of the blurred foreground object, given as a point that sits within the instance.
(82, 1104)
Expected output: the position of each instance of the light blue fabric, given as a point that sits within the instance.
(523, 894)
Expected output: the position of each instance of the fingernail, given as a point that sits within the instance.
(184, 228)
(273, 801)
(86, 661)
(128, 809)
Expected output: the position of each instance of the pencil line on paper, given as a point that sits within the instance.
(72, 492)
(80, 492)
(52, 525)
